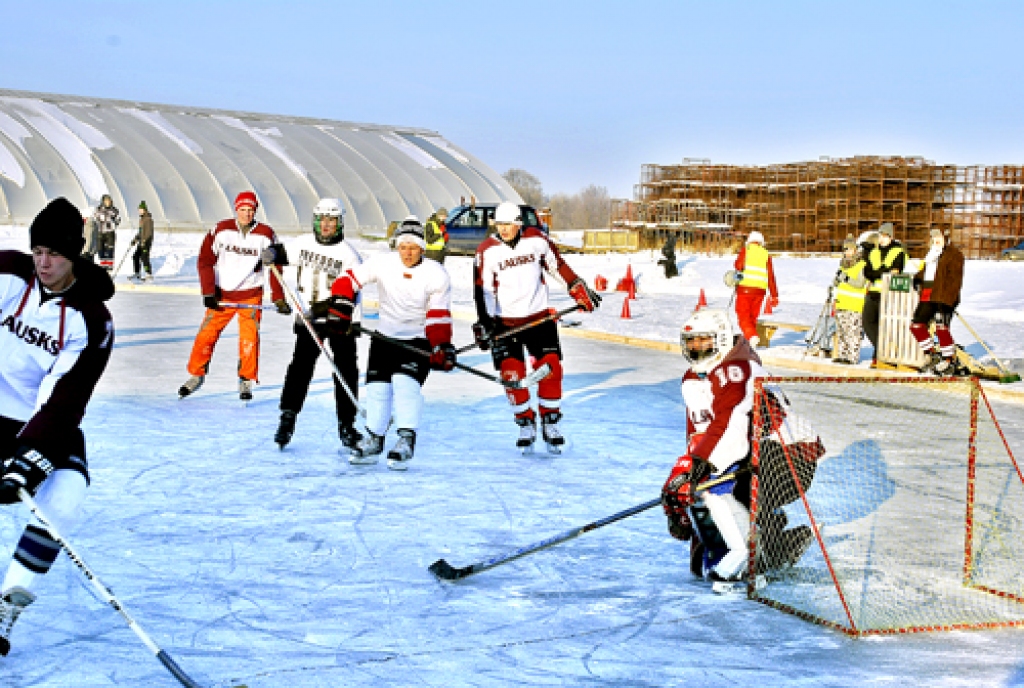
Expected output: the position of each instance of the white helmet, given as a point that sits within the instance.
(508, 212)
(329, 207)
(756, 238)
(706, 323)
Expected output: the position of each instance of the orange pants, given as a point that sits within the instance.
(214, 323)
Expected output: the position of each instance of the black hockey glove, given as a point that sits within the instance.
(339, 314)
(282, 307)
(483, 333)
(587, 298)
(26, 469)
(318, 309)
(212, 301)
(443, 357)
(274, 254)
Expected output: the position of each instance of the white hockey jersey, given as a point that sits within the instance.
(313, 267)
(414, 302)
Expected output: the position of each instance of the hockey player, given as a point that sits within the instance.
(415, 307)
(319, 259)
(755, 278)
(939, 281)
(718, 390)
(107, 218)
(55, 340)
(509, 291)
(230, 265)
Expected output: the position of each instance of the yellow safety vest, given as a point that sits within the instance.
(437, 244)
(849, 297)
(877, 262)
(755, 272)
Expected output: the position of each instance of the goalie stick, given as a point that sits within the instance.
(107, 595)
(516, 330)
(445, 571)
(531, 379)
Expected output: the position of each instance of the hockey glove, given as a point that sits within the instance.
(282, 307)
(339, 314)
(26, 469)
(587, 298)
(275, 254)
(212, 301)
(318, 309)
(483, 333)
(680, 490)
(443, 357)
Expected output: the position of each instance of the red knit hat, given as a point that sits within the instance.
(246, 198)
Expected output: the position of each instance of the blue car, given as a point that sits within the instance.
(469, 225)
(1014, 253)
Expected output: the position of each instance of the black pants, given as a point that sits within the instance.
(141, 257)
(872, 314)
(300, 371)
(106, 245)
(388, 360)
(67, 451)
(538, 340)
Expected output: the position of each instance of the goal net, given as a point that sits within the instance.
(885, 505)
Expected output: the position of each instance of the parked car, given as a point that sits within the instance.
(1014, 253)
(469, 225)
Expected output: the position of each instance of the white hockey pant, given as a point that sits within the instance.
(60, 499)
(733, 521)
(404, 394)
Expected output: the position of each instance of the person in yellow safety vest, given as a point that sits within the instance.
(755, 277)
(436, 235)
(888, 256)
(851, 289)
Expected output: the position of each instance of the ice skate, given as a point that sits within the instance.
(286, 429)
(191, 385)
(244, 389)
(552, 435)
(401, 453)
(937, 365)
(11, 607)
(527, 434)
(368, 451)
(350, 437)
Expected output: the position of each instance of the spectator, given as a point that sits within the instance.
(668, 261)
(851, 287)
(940, 281)
(755, 278)
(884, 255)
(436, 235)
(107, 218)
(143, 243)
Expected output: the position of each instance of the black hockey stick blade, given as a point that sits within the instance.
(445, 571)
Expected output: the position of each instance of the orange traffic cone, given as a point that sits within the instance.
(701, 302)
(630, 282)
(768, 306)
(625, 309)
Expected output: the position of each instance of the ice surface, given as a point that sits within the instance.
(266, 568)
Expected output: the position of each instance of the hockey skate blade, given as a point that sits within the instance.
(357, 460)
(736, 588)
(398, 465)
(445, 571)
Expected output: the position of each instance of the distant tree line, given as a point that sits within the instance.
(590, 208)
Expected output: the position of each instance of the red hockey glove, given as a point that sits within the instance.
(587, 298)
(339, 314)
(680, 490)
(443, 357)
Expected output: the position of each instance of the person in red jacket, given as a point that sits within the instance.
(755, 277)
(230, 265)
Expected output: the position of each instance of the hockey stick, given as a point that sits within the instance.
(525, 326)
(123, 259)
(1005, 374)
(293, 299)
(445, 571)
(107, 595)
(249, 306)
(531, 379)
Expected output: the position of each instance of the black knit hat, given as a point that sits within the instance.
(410, 230)
(58, 227)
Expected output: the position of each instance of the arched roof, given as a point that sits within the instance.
(188, 164)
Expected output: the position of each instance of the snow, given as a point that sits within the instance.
(266, 568)
(159, 122)
(417, 154)
(9, 165)
(265, 137)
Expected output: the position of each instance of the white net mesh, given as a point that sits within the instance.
(909, 513)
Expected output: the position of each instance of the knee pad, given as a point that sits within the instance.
(408, 402)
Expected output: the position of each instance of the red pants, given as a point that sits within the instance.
(748, 308)
(248, 339)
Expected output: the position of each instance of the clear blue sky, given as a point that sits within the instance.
(574, 92)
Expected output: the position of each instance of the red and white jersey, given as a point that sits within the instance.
(53, 350)
(230, 260)
(510, 279)
(719, 407)
(414, 302)
(313, 267)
